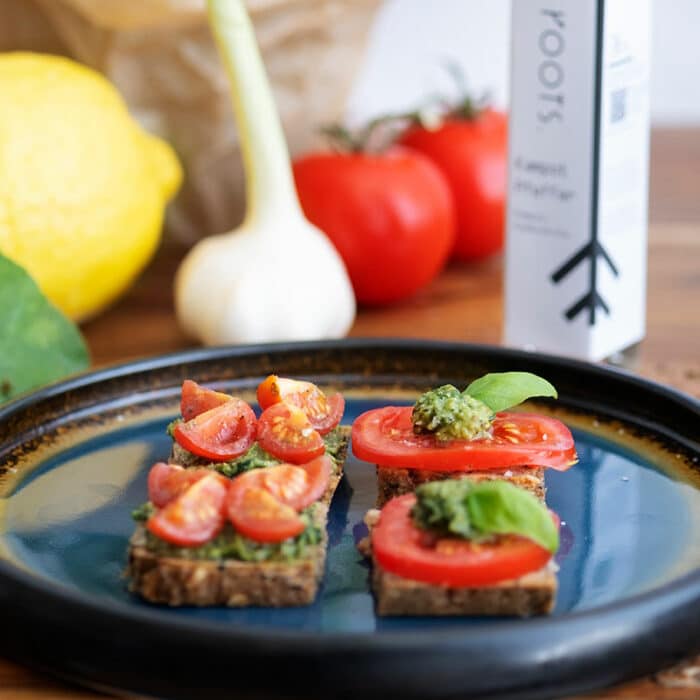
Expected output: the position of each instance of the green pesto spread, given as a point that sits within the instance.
(483, 510)
(230, 544)
(450, 414)
(254, 458)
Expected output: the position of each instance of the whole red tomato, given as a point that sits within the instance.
(471, 153)
(390, 215)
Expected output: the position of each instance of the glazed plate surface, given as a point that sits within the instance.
(73, 464)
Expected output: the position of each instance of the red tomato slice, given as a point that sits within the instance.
(285, 432)
(197, 399)
(194, 517)
(297, 486)
(407, 551)
(257, 514)
(219, 434)
(323, 412)
(385, 436)
(167, 481)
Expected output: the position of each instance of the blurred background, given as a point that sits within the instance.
(329, 61)
(409, 40)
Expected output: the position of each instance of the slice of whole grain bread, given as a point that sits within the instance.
(532, 594)
(230, 582)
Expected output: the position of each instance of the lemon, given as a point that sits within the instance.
(82, 187)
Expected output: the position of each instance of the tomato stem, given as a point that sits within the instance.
(380, 133)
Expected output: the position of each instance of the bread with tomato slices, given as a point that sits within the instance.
(422, 565)
(298, 423)
(173, 579)
(410, 447)
(257, 539)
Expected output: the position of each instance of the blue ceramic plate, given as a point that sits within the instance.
(73, 464)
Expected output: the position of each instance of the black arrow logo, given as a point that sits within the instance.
(591, 300)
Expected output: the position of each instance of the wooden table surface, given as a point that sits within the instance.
(464, 304)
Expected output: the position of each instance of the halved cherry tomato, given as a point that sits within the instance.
(197, 399)
(385, 436)
(195, 516)
(219, 434)
(285, 432)
(407, 551)
(323, 412)
(257, 514)
(297, 486)
(167, 481)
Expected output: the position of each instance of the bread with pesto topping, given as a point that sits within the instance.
(176, 576)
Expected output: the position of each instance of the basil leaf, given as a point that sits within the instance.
(38, 345)
(501, 390)
(499, 508)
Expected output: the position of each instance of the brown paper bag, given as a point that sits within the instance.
(160, 55)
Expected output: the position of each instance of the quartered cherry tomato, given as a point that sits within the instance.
(167, 481)
(323, 412)
(385, 436)
(197, 399)
(257, 514)
(220, 434)
(285, 432)
(195, 516)
(297, 486)
(407, 551)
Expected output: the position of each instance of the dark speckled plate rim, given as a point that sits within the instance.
(670, 613)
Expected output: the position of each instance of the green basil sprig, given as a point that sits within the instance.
(502, 390)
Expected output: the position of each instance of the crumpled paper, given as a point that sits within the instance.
(161, 56)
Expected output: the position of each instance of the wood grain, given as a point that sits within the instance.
(464, 304)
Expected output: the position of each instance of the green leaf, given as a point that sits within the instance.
(499, 508)
(501, 390)
(38, 345)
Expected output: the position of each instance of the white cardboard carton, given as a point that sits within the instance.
(578, 176)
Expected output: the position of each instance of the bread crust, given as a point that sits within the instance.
(396, 481)
(532, 594)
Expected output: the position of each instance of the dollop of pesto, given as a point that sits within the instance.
(441, 506)
(230, 544)
(450, 414)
